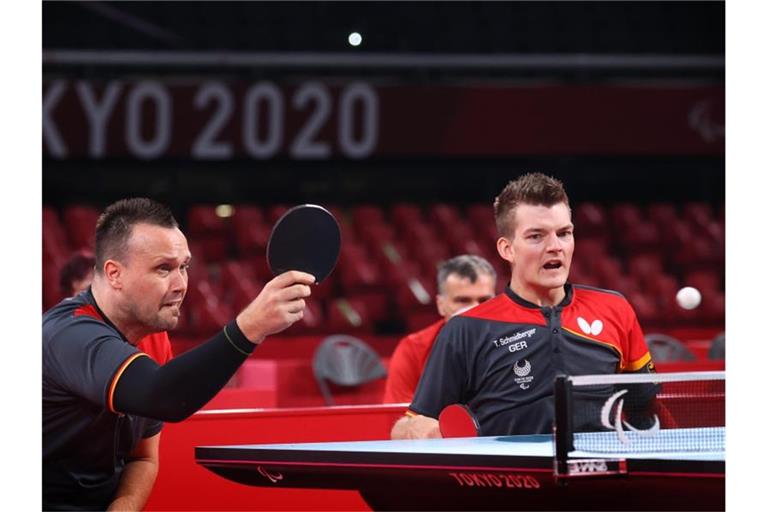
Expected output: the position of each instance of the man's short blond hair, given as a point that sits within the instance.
(532, 188)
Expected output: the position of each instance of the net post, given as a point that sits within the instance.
(563, 428)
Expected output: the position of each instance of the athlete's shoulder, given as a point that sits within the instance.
(425, 335)
(74, 315)
(600, 296)
(488, 309)
(502, 309)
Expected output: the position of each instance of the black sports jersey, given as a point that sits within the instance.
(85, 442)
(501, 357)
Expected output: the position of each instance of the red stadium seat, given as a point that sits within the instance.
(207, 313)
(356, 270)
(705, 280)
(418, 235)
(328, 288)
(645, 306)
(624, 216)
(699, 214)
(676, 233)
(445, 216)
(590, 219)
(348, 315)
(55, 251)
(463, 239)
(202, 221)
(53, 230)
(393, 259)
(213, 232)
(251, 230)
(51, 291)
(578, 275)
(376, 303)
(588, 254)
(406, 214)
(698, 253)
(716, 230)
(607, 269)
(415, 293)
(375, 233)
(624, 284)
(359, 274)
(662, 214)
(367, 214)
(239, 284)
(713, 307)
(642, 236)
(275, 211)
(313, 321)
(429, 256)
(481, 215)
(80, 223)
(645, 267)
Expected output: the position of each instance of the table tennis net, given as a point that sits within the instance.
(642, 413)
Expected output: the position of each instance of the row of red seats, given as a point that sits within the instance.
(386, 271)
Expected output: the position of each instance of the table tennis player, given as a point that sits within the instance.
(104, 400)
(463, 282)
(500, 358)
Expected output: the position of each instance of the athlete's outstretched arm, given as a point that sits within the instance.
(177, 389)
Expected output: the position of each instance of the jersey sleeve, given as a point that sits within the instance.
(638, 357)
(403, 374)
(445, 376)
(88, 361)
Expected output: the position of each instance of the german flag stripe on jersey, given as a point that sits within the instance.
(116, 378)
(638, 364)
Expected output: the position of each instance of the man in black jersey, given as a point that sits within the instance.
(104, 400)
(500, 357)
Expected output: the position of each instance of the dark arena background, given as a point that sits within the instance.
(232, 112)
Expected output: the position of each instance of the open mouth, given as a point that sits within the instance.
(553, 265)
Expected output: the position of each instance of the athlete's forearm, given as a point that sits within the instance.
(138, 476)
(135, 485)
(177, 389)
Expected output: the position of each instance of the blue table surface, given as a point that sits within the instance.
(528, 446)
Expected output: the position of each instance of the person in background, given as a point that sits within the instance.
(104, 400)
(462, 283)
(76, 274)
(501, 357)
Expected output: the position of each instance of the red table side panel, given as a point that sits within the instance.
(184, 485)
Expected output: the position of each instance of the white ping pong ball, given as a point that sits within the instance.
(355, 39)
(688, 297)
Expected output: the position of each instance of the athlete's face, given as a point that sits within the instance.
(460, 293)
(154, 276)
(540, 249)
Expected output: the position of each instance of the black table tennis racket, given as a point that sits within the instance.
(457, 420)
(305, 238)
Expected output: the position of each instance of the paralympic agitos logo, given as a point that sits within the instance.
(617, 423)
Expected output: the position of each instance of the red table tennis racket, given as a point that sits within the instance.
(305, 238)
(456, 420)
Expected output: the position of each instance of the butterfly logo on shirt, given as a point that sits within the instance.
(594, 328)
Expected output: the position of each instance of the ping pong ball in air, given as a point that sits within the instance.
(688, 297)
